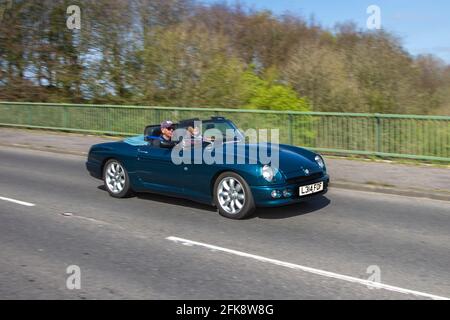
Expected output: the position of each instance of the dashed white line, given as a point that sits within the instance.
(308, 269)
(22, 203)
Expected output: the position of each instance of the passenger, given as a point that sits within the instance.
(192, 135)
(194, 131)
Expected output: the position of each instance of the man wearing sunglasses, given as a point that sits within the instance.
(167, 128)
(165, 138)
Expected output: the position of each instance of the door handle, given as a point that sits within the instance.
(142, 151)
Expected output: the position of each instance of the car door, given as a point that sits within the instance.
(156, 170)
(197, 174)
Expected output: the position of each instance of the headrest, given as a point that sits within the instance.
(156, 132)
(148, 130)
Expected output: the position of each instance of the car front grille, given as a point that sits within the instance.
(305, 179)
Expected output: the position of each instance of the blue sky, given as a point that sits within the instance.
(423, 26)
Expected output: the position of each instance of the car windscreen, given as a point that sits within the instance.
(222, 126)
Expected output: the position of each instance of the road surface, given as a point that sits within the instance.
(54, 215)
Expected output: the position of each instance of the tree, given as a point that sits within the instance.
(258, 93)
(320, 73)
(184, 53)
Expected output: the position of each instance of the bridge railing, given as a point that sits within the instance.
(384, 135)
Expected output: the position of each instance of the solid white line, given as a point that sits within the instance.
(308, 269)
(27, 204)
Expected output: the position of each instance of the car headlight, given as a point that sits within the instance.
(320, 161)
(268, 173)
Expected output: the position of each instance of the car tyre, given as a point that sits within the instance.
(116, 179)
(233, 197)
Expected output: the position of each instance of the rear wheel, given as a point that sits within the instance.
(233, 196)
(116, 179)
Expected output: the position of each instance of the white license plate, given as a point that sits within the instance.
(311, 189)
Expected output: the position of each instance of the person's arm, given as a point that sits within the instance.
(167, 143)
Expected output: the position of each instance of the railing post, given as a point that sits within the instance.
(30, 115)
(377, 133)
(65, 117)
(291, 135)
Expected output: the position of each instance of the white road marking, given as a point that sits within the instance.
(308, 269)
(22, 203)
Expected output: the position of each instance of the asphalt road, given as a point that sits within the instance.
(122, 248)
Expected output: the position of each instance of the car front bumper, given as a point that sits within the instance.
(94, 169)
(262, 195)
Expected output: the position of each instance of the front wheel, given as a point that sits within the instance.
(116, 179)
(233, 196)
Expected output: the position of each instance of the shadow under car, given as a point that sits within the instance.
(307, 206)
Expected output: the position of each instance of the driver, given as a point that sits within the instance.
(167, 128)
(165, 138)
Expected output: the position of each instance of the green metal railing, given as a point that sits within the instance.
(383, 135)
